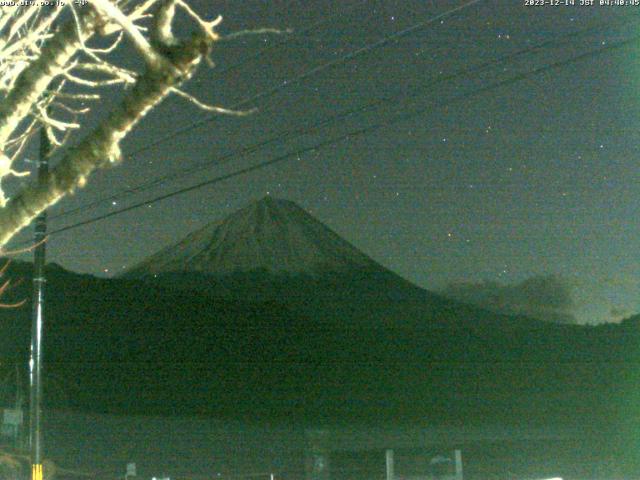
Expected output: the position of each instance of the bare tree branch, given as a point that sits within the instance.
(48, 73)
(36, 78)
(109, 10)
(211, 108)
(101, 147)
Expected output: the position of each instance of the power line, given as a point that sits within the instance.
(243, 62)
(266, 93)
(304, 75)
(355, 133)
(298, 132)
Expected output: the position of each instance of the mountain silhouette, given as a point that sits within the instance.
(270, 314)
(272, 235)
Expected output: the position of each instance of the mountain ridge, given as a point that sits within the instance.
(132, 345)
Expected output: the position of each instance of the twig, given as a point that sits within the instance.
(257, 31)
(212, 108)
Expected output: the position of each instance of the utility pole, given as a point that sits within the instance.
(19, 442)
(37, 321)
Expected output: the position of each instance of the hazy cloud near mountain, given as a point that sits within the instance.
(549, 298)
(619, 313)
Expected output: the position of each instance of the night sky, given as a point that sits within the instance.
(536, 178)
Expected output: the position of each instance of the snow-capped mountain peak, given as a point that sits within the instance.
(271, 234)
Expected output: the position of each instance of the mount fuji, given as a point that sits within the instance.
(273, 250)
(271, 235)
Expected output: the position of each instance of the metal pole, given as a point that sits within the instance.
(20, 433)
(390, 466)
(458, 455)
(37, 321)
